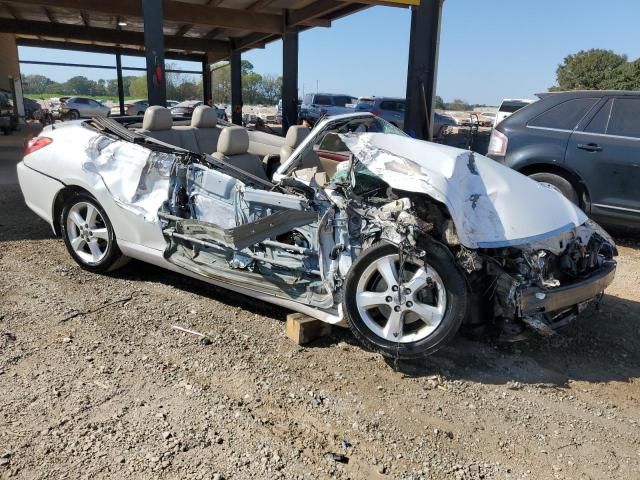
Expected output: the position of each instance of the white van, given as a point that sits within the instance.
(510, 106)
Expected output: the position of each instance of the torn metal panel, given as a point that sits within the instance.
(137, 178)
(491, 205)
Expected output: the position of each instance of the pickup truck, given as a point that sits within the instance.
(317, 105)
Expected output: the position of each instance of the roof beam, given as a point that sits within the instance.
(87, 47)
(174, 11)
(85, 18)
(49, 15)
(120, 37)
(313, 11)
(258, 4)
(183, 29)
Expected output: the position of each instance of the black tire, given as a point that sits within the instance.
(438, 258)
(113, 257)
(74, 115)
(560, 183)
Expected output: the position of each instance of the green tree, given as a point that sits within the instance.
(439, 103)
(458, 105)
(80, 85)
(271, 89)
(221, 83)
(35, 83)
(138, 87)
(592, 69)
(625, 77)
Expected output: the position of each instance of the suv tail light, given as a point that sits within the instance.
(36, 143)
(498, 143)
(376, 113)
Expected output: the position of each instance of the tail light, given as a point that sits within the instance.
(498, 143)
(376, 113)
(36, 143)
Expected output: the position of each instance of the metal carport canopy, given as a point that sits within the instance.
(213, 30)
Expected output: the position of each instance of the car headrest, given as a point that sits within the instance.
(295, 135)
(233, 141)
(157, 118)
(204, 117)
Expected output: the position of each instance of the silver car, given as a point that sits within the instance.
(81, 107)
(392, 110)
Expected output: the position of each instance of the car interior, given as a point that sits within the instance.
(254, 152)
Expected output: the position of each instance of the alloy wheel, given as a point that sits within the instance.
(401, 305)
(87, 233)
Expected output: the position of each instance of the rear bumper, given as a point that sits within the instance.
(534, 300)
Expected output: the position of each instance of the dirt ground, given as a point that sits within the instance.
(94, 383)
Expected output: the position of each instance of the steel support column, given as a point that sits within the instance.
(236, 87)
(152, 11)
(120, 82)
(206, 82)
(423, 68)
(289, 80)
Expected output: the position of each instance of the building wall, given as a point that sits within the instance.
(9, 65)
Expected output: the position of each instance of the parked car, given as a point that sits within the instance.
(508, 107)
(8, 116)
(487, 119)
(172, 103)
(392, 110)
(30, 107)
(412, 240)
(131, 107)
(185, 108)
(317, 105)
(585, 144)
(81, 107)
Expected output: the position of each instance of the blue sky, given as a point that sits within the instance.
(490, 49)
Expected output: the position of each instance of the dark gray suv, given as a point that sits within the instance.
(584, 143)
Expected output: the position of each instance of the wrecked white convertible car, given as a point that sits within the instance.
(352, 223)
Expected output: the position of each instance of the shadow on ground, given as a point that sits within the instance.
(601, 346)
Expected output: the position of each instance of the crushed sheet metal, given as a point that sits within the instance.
(136, 177)
(486, 200)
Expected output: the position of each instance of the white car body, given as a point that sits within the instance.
(491, 206)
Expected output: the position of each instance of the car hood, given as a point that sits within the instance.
(491, 205)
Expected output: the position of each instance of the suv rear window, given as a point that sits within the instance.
(322, 100)
(566, 115)
(511, 106)
(341, 101)
(393, 105)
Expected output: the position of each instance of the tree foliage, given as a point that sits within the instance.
(597, 69)
(256, 88)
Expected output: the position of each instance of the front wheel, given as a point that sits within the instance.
(74, 115)
(404, 311)
(558, 183)
(89, 235)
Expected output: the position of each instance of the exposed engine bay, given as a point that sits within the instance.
(299, 240)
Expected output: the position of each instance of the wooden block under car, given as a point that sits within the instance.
(303, 329)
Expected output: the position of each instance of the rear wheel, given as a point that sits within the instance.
(558, 183)
(89, 235)
(407, 311)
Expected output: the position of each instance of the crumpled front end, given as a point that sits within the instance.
(531, 257)
(545, 285)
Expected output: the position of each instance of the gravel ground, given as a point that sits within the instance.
(94, 383)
